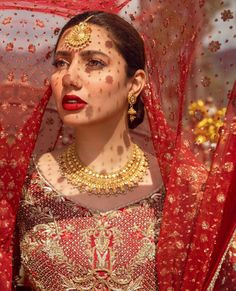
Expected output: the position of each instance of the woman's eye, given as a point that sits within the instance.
(60, 64)
(96, 63)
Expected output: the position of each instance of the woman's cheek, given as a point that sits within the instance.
(109, 79)
(56, 83)
(56, 86)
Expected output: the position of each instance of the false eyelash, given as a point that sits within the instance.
(98, 62)
(56, 62)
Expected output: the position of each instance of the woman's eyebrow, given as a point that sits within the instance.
(63, 54)
(87, 53)
(83, 53)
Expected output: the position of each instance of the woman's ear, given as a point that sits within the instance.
(137, 83)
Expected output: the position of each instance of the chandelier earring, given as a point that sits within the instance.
(132, 112)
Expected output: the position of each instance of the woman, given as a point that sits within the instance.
(184, 216)
(91, 213)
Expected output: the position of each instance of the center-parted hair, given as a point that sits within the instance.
(128, 42)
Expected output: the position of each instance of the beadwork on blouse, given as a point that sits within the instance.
(65, 246)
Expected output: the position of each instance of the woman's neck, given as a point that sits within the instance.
(105, 146)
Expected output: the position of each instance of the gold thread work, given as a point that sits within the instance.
(217, 272)
(113, 183)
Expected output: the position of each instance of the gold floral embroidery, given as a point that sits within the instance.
(67, 247)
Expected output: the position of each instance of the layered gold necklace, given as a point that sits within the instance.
(117, 182)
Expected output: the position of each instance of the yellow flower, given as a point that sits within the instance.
(197, 108)
(208, 125)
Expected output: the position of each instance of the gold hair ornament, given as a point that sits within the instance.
(79, 36)
(92, 182)
(132, 112)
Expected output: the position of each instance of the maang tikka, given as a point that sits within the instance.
(132, 112)
(79, 36)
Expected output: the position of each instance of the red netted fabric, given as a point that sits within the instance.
(15, 154)
(190, 49)
(197, 206)
(65, 8)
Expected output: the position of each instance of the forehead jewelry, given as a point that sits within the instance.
(79, 36)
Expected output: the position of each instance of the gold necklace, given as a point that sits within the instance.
(90, 181)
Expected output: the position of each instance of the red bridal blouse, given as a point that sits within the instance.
(68, 247)
(65, 246)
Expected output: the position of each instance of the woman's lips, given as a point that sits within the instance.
(73, 102)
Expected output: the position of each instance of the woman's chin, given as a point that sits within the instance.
(74, 122)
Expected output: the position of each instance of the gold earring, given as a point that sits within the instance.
(132, 112)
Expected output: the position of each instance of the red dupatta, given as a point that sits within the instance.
(199, 214)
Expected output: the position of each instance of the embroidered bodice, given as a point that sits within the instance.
(65, 246)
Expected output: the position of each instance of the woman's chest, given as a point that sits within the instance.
(114, 250)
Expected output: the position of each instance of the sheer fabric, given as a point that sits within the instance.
(190, 48)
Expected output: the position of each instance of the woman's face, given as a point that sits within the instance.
(90, 84)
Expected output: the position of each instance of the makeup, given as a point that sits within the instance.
(73, 103)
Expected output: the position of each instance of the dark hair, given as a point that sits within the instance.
(128, 42)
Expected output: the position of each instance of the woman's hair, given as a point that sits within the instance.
(127, 41)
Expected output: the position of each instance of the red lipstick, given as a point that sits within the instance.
(73, 103)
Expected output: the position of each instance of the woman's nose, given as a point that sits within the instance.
(71, 81)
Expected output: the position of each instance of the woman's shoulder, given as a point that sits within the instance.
(46, 158)
(48, 170)
(154, 173)
(38, 168)
(47, 162)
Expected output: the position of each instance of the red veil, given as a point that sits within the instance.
(190, 52)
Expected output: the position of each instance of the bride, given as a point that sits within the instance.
(98, 215)
(90, 214)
